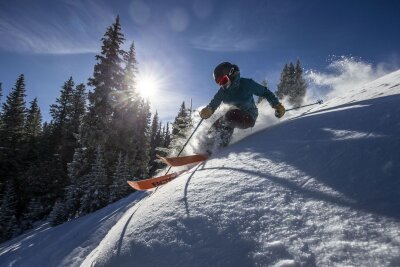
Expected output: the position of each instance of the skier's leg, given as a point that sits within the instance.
(222, 129)
(237, 118)
(234, 118)
(219, 134)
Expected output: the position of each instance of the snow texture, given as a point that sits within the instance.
(319, 188)
(67, 244)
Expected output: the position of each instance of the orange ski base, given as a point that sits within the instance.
(181, 161)
(153, 182)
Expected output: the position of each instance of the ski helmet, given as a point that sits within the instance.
(224, 71)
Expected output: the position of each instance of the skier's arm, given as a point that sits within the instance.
(262, 91)
(206, 112)
(216, 101)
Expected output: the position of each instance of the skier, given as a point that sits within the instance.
(238, 92)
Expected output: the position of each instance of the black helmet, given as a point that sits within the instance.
(225, 68)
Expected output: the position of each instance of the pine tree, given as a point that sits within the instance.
(299, 89)
(33, 124)
(167, 137)
(156, 143)
(1, 91)
(33, 212)
(12, 134)
(130, 73)
(283, 85)
(291, 79)
(58, 215)
(292, 84)
(1, 95)
(79, 97)
(118, 188)
(49, 181)
(71, 129)
(180, 128)
(74, 192)
(181, 122)
(142, 142)
(126, 114)
(108, 76)
(8, 213)
(13, 118)
(61, 113)
(30, 153)
(95, 185)
(1, 110)
(154, 135)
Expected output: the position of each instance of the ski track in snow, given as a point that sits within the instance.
(320, 188)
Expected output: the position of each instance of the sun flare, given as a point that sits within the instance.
(147, 86)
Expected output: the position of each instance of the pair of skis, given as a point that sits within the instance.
(172, 162)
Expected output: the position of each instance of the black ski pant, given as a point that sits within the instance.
(222, 128)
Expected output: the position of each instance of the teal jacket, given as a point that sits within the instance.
(240, 94)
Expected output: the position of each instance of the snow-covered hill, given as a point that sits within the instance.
(321, 188)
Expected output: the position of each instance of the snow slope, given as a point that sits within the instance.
(67, 244)
(321, 188)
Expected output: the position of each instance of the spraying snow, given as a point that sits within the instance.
(343, 74)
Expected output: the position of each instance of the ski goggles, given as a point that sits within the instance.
(223, 80)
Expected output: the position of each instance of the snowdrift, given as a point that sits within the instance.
(321, 188)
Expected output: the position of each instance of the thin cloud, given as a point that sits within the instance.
(216, 42)
(229, 35)
(73, 29)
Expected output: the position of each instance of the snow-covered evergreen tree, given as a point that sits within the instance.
(108, 77)
(79, 98)
(167, 136)
(291, 79)
(283, 85)
(142, 142)
(66, 117)
(33, 129)
(180, 129)
(8, 212)
(74, 192)
(33, 124)
(1, 96)
(95, 195)
(292, 84)
(156, 141)
(33, 212)
(299, 90)
(118, 188)
(58, 215)
(1, 108)
(61, 111)
(12, 144)
(12, 131)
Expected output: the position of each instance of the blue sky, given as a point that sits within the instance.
(180, 42)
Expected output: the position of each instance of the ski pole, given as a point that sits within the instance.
(318, 102)
(195, 129)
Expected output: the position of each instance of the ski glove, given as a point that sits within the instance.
(206, 113)
(279, 110)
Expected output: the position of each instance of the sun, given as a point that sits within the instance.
(147, 86)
